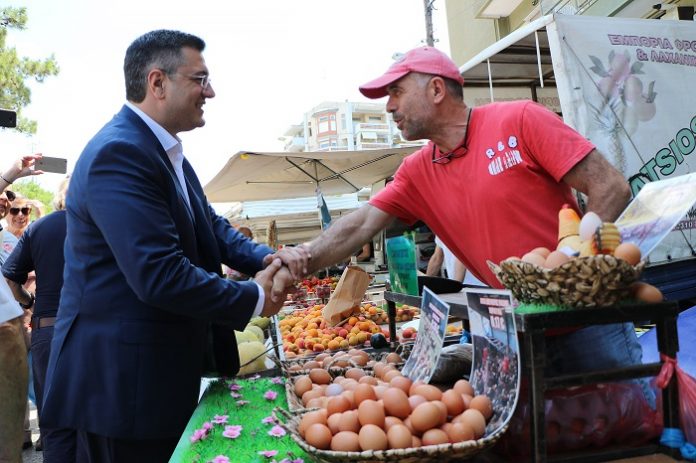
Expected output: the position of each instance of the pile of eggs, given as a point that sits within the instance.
(545, 258)
(359, 412)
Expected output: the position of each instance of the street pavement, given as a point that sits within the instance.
(30, 455)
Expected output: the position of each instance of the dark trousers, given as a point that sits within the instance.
(94, 448)
(59, 445)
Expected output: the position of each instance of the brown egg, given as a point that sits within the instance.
(425, 416)
(349, 384)
(467, 400)
(359, 360)
(463, 387)
(407, 423)
(351, 398)
(401, 382)
(556, 259)
(393, 357)
(337, 404)
(390, 375)
(371, 412)
(318, 435)
(396, 403)
(534, 259)
(413, 387)
(460, 432)
(349, 421)
(311, 364)
(309, 395)
(429, 392)
(399, 437)
(372, 437)
(378, 368)
(332, 422)
(321, 357)
(390, 421)
(416, 442)
(542, 251)
(379, 391)
(483, 404)
(368, 380)
(364, 392)
(317, 402)
(434, 437)
(345, 441)
(453, 401)
(310, 418)
(295, 367)
(355, 373)
(646, 292)
(302, 384)
(319, 376)
(628, 252)
(474, 419)
(415, 400)
(443, 410)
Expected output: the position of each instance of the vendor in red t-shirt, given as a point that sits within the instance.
(490, 184)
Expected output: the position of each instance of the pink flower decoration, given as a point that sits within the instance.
(220, 419)
(270, 395)
(268, 453)
(235, 387)
(234, 395)
(287, 460)
(220, 459)
(255, 377)
(276, 431)
(232, 432)
(198, 434)
(207, 426)
(242, 402)
(277, 380)
(268, 420)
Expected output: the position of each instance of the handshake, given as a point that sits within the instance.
(278, 278)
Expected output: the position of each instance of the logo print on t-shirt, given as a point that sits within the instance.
(490, 153)
(510, 158)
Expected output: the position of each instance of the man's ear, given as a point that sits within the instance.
(438, 89)
(155, 82)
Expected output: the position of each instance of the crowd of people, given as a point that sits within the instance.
(144, 308)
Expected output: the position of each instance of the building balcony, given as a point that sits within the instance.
(371, 127)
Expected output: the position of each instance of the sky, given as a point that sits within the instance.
(270, 61)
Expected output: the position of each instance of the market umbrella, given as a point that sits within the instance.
(251, 176)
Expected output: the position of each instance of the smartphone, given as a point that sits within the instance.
(49, 164)
(8, 118)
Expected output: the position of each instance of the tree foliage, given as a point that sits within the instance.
(31, 189)
(15, 70)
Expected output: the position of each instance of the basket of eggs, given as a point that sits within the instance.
(590, 267)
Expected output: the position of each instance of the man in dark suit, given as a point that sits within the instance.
(142, 274)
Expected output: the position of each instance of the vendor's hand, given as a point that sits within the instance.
(296, 258)
(283, 284)
(265, 279)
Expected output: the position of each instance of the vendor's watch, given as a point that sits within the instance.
(31, 303)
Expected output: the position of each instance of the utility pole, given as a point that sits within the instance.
(429, 39)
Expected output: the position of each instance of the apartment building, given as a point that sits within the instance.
(344, 126)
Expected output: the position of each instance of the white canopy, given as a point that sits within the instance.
(250, 176)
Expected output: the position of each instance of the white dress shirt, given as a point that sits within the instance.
(175, 151)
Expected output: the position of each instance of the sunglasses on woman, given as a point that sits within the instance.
(23, 210)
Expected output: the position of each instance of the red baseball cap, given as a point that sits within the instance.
(427, 60)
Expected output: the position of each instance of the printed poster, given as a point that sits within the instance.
(402, 263)
(432, 328)
(495, 367)
(657, 209)
(623, 84)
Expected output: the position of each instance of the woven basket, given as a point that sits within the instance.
(442, 453)
(595, 281)
(334, 370)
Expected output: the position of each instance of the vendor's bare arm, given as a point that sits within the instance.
(606, 189)
(345, 236)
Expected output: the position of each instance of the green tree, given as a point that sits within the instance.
(15, 70)
(32, 190)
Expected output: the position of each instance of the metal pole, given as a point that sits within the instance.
(429, 39)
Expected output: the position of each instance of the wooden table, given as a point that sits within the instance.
(532, 328)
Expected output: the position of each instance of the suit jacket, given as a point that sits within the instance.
(142, 282)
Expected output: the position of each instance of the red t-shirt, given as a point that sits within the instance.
(502, 197)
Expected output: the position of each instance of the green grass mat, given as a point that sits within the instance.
(258, 399)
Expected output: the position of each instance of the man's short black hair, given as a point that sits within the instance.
(157, 49)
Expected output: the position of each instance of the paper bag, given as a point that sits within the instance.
(348, 294)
